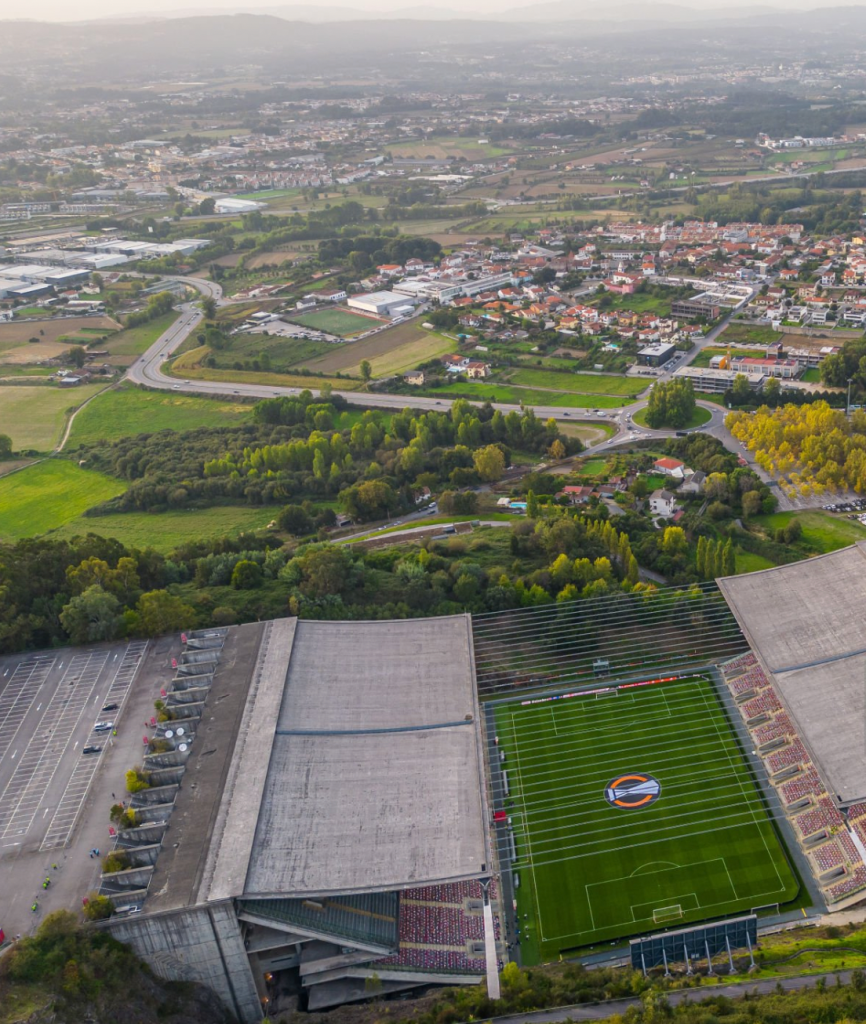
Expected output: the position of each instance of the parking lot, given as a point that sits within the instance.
(853, 509)
(49, 704)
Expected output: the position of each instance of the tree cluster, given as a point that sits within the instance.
(811, 449)
(671, 404)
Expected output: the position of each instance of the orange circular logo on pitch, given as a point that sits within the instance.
(632, 790)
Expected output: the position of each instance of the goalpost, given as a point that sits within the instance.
(672, 913)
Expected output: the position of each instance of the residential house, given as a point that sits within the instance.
(662, 503)
(478, 370)
(693, 483)
(415, 377)
(670, 467)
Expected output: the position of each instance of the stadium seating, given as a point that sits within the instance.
(824, 815)
(435, 922)
(852, 883)
(807, 784)
(828, 856)
(764, 703)
(794, 753)
(777, 729)
(731, 669)
(743, 675)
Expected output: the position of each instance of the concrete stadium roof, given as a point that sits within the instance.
(360, 767)
(807, 624)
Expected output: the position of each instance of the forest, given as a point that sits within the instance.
(292, 454)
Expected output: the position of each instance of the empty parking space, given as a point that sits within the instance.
(49, 705)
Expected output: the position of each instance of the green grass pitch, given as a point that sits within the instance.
(341, 322)
(591, 872)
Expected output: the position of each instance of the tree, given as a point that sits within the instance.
(207, 206)
(458, 502)
(91, 616)
(247, 575)
(326, 570)
(671, 404)
(293, 519)
(368, 500)
(5, 446)
(752, 503)
(209, 307)
(741, 392)
(366, 370)
(97, 907)
(729, 561)
(674, 540)
(701, 556)
(772, 390)
(75, 356)
(162, 612)
(557, 450)
(490, 463)
(531, 505)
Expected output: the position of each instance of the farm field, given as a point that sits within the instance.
(606, 850)
(393, 351)
(127, 410)
(34, 416)
(168, 530)
(16, 347)
(48, 495)
(579, 383)
(337, 321)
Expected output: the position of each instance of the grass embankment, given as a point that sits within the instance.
(48, 495)
(35, 416)
(127, 410)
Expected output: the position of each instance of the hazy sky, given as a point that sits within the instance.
(62, 10)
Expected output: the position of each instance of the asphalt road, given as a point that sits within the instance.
(147, 370)
(601, 1011)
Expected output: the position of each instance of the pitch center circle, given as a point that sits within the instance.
(633, 790)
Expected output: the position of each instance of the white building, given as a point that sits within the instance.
(382, 303)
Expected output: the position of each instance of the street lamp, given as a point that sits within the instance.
(848, 402)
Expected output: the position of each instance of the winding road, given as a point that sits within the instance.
(147, 371)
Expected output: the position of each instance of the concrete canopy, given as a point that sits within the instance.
(368, 765)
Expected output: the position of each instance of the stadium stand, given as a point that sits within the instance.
(437, 925)
(820, 826)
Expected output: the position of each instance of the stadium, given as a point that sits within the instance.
(367, 808)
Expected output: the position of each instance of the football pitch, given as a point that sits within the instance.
(340, 322)
(633, 810)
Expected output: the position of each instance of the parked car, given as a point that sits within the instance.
(91, 748)
(110, 707)
(103, 726)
